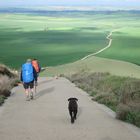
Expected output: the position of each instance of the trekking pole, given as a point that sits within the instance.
(35, 86)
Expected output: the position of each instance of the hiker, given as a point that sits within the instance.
(37, 67)
(28, 76)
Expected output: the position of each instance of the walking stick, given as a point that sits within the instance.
(35, 86)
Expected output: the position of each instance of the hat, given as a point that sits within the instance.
(28, 60)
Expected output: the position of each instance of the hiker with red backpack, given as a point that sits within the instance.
(28, 77)
(36, 66)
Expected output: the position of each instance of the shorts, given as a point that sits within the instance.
(29, 85)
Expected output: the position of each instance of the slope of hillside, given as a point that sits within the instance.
(95, 64)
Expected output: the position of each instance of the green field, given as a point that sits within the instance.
(125, 45)
(53, 40)
(67, 37)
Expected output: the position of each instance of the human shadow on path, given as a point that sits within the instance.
(43, 92)
(45, 81)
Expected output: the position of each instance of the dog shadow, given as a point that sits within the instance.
(43, 92)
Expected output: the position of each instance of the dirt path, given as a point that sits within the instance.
(47, 118)
(109, 45)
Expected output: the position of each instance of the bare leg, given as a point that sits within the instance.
(32, 93)
(27, 94)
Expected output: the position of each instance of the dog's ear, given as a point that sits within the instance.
(73, 99)
(70, 99)
(76, 99)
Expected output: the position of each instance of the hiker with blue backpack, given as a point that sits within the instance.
(28, 77)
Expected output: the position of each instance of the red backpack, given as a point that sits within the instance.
(36, 65)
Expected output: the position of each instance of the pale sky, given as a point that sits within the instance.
(113, 3)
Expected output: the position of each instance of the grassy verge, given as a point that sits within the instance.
(121, 94)
(2, 98)
(7, 81)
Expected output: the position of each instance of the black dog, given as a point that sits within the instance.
(73, 108)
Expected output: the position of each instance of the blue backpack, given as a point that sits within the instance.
(27, 72)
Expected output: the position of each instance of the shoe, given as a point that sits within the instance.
(32, 97)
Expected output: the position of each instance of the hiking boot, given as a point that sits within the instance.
(32, 97)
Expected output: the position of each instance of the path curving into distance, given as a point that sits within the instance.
(109, 45)
(47, 117)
